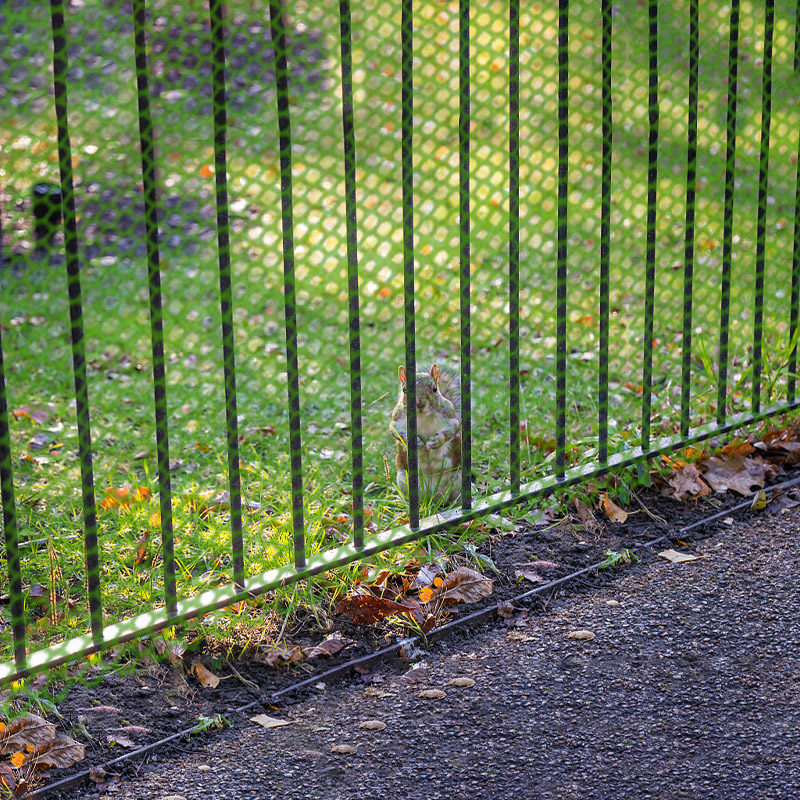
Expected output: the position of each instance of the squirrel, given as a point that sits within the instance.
(438, 400)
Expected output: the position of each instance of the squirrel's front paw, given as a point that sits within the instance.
(434, 442)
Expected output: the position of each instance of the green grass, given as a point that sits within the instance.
(33, 306)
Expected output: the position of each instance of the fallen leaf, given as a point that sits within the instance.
(677, 558)
(141, 549)
(372, 725)
(518, 636)
(279, 656)
(528, 575)
(134, 729)
(206, 677)
(7, 777)
(373, 691)
(687, 482)
(581, 636)
(39, 441)
(105, 781)
(269, 722)
(27, 729)
(738, 473)
(462, 682)
(465, 584)
(121, 741)
(61, 752)
(330, 645)
(366, 609)
(432, 694)
(343, 749)
(613, 511)
(759, 501)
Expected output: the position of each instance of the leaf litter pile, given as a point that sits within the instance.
(186, 683)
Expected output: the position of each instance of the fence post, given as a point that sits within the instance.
(727, 222)
(691, 172)
(407, 159)
(464, 251)
(763, 186)
(148, 154)
(76, 318)
(652, 192)
(278, 26)
(561, 254)
(351, 222)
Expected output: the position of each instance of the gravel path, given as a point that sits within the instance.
(691, 689)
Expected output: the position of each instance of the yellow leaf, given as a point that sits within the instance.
(17, 760)
(425, 594)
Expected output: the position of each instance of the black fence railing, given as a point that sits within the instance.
(592, 218)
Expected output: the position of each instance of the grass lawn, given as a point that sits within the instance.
(103, 114)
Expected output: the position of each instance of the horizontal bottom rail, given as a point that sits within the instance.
(213, 599)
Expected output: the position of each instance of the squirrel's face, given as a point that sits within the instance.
(427, 393)
(427, 390)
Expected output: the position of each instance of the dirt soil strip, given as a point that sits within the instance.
(690, 689)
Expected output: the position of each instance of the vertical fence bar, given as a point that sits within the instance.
(225, 288)
(91, 551)
(763, 186)
(727, 222)
(148, 153)
(464, 252)
(797, 36)
(278, 24)
(407, 159)
(691, 173)
(561, 254)
(10, 530)
(354, 319)
(794, 311)
(652, 190)
(605, 233)
(513, 243)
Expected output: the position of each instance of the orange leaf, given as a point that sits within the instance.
(613, 511)
(426, 594)
(17, 760)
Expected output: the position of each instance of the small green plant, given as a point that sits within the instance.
(615, 559)
(217, 722)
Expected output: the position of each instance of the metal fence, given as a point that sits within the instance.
(529, 190)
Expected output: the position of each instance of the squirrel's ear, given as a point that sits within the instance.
(435, 372)
(401, 373)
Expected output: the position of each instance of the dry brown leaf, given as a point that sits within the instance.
(366, 609)
(463, 682)
(687, 482)
(27, 729)
(372, 725)
(60, 752)
(432, 694)
(343, 749)
(519, 636)
(269, 722)
(581, 636)
(528, 575)
(738, 473)
(205, 676)
(465, 584)
(372, 691)
(613, 511)
(120, 740)
(330, 645)
(279, 656)
(677, 558)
